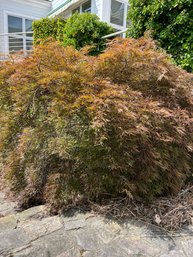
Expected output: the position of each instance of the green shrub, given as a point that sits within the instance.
(171, 23)
(79, 30)
(48, 27)
(79, 127)
(86, 29)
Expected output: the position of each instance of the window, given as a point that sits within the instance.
(21, 38)
(28, 27)
(117, 13)
(15, 44)
(14, 24)
(85, 7)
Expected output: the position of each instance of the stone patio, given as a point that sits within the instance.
(32, 233)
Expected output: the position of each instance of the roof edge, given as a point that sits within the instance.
(59, 7)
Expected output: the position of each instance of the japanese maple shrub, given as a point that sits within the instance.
(77, 127)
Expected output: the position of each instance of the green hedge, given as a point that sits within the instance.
(79, 30)
(86, 29)
(48, 27)
(171, 23)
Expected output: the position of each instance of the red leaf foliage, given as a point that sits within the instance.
(75, 126)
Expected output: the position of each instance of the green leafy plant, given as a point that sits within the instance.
(78, 127)
(170, 22)
(86, 29)
(79, 30)
(48, 27)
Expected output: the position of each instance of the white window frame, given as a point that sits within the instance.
(24, 37)
(118, 27)
(80, 6)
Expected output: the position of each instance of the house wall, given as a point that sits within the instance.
(102, 8)
(32, 9)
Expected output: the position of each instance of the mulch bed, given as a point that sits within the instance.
(169, 213)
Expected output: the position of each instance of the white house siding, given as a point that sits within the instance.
(32, 9)
(100, 7)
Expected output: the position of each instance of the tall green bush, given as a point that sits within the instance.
(171, 23)
(48, 27)
(86, 29)
(79, 30)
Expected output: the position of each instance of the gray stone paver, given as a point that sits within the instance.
(32, 233)
(13, 238)
(6, 207)
(8, 222)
